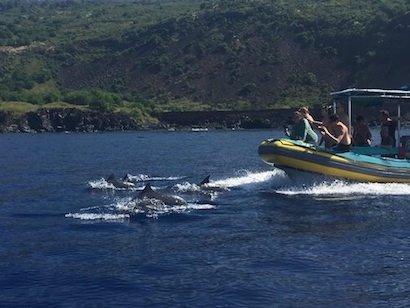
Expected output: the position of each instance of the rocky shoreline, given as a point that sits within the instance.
(76, 120)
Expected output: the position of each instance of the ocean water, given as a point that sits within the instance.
(254, 238)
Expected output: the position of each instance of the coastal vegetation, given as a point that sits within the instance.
(142, 57)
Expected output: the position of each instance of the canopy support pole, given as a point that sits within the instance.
(398, 123)
(349, 102)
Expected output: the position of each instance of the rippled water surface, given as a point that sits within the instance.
(253, 237)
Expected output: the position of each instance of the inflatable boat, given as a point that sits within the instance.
(364, 164)
(360, 164)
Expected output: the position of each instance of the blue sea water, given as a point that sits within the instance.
(261, 240)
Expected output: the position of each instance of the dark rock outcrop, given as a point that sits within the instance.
(58, 120)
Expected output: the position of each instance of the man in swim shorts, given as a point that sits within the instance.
(340, 134)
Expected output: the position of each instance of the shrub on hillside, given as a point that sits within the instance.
(101, 106)
(78, 97)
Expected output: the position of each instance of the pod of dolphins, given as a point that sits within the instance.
(162, 195)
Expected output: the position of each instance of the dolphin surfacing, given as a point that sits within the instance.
(117, 183)
(149, 193)
(204, 185)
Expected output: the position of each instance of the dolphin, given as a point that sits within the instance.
(118, 184)
(126, 178)
(205, 181)
(204, 185)
(149, 193)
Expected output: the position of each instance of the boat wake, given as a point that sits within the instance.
(243, 179)
(251, 178)
(339, 188)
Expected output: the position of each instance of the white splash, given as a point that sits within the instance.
(345, 188)
(124, 208)
(145, 177)
(103, 184)
(153, 206)
(187, 187)
(94, 216)
(177, 209)
(249, 178)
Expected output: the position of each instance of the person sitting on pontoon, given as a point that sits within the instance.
(362, 137)
(340, 134)
(301, 129)
(388, 130)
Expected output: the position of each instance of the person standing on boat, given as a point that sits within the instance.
(362, 137)
(340, 134)
(301, 129)
(388, 130)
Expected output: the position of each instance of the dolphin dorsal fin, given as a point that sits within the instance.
(205, 181)
(111, 177)
(147, 189)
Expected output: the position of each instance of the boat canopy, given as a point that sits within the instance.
(372, 93)
(393, 96)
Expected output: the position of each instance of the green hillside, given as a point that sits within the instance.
(193, 55)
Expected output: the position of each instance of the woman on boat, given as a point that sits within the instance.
(306, 114)
(362, 137)
(301, 130)
(340, 134)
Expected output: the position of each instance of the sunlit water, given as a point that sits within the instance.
(70, 238)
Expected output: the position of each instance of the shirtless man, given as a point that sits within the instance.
(340, 111)
(324, 121)
(340, 134)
